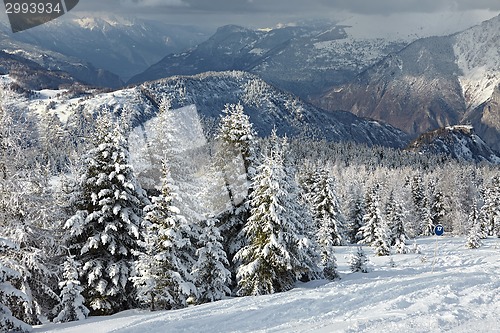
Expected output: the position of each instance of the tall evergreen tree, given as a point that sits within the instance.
(273, 258)
(395, 217)
(355, 218)
(475, 229)
(71, 307)
(237, 134)
(421, 211)
(236, 158)
(27, 217)
(326, 244)
(374, 230)
(326, 208)
(438, 209)
(10, 295)
(490, 210)
(105, 228)
(210, 273)
(163, 271)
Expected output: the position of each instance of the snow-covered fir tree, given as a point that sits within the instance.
(71, 307)
(355, 218)
(28, 217)
(374, 230)
(476, 231)
(490, 210)
(273, 259)
(474, 236)
(9, 294)
(326, 244)
(236, 133)
(437, 207)
(358, 262)
(236, 142)
(145, 271)
(163, 271)
(326, 208)
(210, 273)
(395, 219)
(105, 228)
(308, 253)
(420, 207)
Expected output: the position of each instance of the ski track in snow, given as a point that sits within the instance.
(454, 291)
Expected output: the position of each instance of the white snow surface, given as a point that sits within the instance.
(446, 288)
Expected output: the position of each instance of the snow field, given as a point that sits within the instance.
(455, 291)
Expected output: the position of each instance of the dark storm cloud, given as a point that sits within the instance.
(285, 6)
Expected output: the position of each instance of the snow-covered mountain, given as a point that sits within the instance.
(53, 63)
(301, 59)
(120, 45)
(29, 75)
(433, 82)
(267, 107)
(458, 142)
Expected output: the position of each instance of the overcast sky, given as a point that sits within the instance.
(374, 17)
(269, 13)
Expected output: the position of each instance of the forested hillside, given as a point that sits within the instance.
(101, 214)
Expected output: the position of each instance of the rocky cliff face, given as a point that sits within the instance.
(459, 142)
(434, 82)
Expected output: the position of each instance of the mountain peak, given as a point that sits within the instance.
(231, 28)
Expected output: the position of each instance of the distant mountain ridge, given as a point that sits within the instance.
(123, 46)
(267, 107)
(300, 59)
(51, 61)
(431, 83)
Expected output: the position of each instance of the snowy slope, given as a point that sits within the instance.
(445, 288)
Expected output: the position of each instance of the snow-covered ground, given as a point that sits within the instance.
(446, 288)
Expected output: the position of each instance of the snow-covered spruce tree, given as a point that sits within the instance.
(210, 273)
(374, 230)
(307, 254)
(437, 207)
(145, 271)
(273, 258)
(27, 217)
(490, 210)
(162, 272)
(355, 218)
(105, 228)
(236, 158)
(358, 262)
(8, 293)
(326, 244)
(421, 211)
(326, 208)
(237, 134)
(395, 217)
(72, 306)
(474, 236)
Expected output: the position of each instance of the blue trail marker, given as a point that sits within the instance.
(439, 230)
